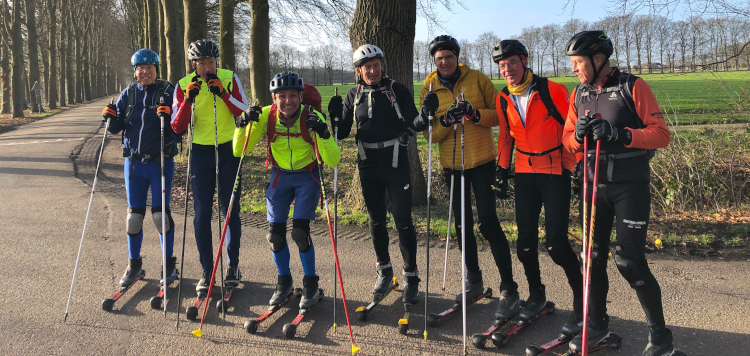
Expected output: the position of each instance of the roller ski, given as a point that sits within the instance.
(385, 284)
(434, 319)
(251, 326)
(507, 309)
(410, 298)
(499, 339)
(171, 277)
(660, 344)
(570, 329)
(609, 339)
(563, 338)
(202, 290)
(311, 295)
(231, 281)
(133, 274)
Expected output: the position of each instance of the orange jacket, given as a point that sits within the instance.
(540, 134)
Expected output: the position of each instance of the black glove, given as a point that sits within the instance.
(215, 86)
(582, 126)
(603, 130)
(193, 89)
(109, 112)
(251, 114)
(335, 108)
(164, 111)
(319, 126)
(502, 175)
(430, 104)
(454, 115)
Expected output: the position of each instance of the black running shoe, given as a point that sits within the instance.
(171, 271)
(535, 304)
(284, 286)
(384, 283)
(310, 292)
(132, 272)
(203, 283)
(659, 343)
(507, 308)
(411, 290)
(233, 277)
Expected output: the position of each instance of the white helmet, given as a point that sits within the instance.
(366, 53)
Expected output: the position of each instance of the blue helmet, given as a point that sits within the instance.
(144, 56)
(287, 80)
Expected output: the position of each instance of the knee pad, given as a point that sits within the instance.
(635, 271)
(301, 234)
(277, 236)
(157, 216)
(134, 221)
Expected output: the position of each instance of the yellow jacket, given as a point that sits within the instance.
(479, 147)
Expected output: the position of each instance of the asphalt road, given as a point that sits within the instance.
(44, 201)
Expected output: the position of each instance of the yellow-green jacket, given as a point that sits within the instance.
(289, 152)
(479, 146)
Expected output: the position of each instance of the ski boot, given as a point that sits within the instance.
(233, 276)
(132, 272)
(574, 324)
(411, 290)
(310, 292)
(283, 286)
(171, 271)
(474, 287)
(660, 343)
(202, 286)
(535, 304)
(507, 308)
(384, 283)
(596, 335)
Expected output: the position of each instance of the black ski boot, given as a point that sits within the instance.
(507, 308)
(411, 290)
(284, 285)
(535, 304)
(132, 272)
(597, 332)
(202, 286)
(474, 287)
(233, 277)
(384, 283)
(171, 271)
(660, 343)
(574, 325)
(310, 292)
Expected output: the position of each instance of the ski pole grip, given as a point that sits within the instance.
(336, 93)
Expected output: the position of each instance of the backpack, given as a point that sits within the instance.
(625, 87)
(170, 147)
(310, 99)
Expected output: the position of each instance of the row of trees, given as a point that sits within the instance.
(643, 44)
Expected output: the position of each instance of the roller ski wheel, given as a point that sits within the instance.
(251, 326)
(478, 340)
(433, 319)
(615, 340)
(403, 328)
(221, 305)
(403, 323)
(156, 302)
(501, 339)
(109, 303)
(191, 313)
(533, 351)
(289, 330)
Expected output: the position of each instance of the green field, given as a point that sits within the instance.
(709, 97)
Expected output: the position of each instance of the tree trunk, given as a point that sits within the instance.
(6, 79)
(70, 78)
(85, 72)
(226, 34)
(153, 25)
(163, 68)
(17, 78)
(196, 27)
(32, 38)
(390, 25)
(174, 42)
(260, 32)
(79, 64)
(52, 71)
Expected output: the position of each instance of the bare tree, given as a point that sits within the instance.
(174, 41)
(33, 48)
(260, 32)
(196, 26)
(226, 37)
(52, 57)
(5, 65)
(13, 38)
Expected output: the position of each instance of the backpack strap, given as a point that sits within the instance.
(542, 86)
(273, 135)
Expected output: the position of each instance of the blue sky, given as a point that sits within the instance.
(507, 18)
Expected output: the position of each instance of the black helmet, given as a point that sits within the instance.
(589, 43)
(202, 49)
(444, 42)
(509, 48)
(287, 80)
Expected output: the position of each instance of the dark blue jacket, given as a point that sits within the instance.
(142, 128)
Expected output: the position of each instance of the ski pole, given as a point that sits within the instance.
(218, 211)
(429, 181)
(335, 207)
(450, 209)
(163, 215)
(88, 212)
(184, 224)
(590, 239)
(463, 227)
(333, 245)
(199, 332)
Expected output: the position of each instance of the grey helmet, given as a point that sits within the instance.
(365, 53)
(287, 80)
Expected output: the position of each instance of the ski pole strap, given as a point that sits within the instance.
(612, 157)
(378, 145)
